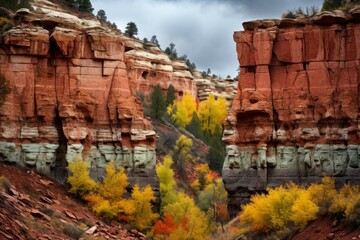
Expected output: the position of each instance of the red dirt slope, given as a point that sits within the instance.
(35, 207)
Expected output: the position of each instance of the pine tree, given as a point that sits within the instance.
(170, 95)
(330, 5)
(131, 29)
(157, 103)
(155, 41)
(171, 51)
(216, 153)
(15, 5)
(101, 15)
(85, 6)
(194, 127)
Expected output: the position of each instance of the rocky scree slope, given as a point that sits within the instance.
(35, 207)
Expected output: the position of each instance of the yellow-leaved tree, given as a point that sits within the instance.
(182, 153)
(323, 194)
(213, 200)
(143, 217)
(182, 110)
(347, 202)
(274, 211)
(79, 179)
(191, 222)
(205, 177)
(108, 201)
(167, 182)
(212, 113)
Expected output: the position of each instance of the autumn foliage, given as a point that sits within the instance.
(181, 111)
(182, 218)
(280, 207)
(292, 205)
(107, 198)
(79, 179)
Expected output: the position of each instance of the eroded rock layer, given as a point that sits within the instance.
(296, 113)
(71, 96)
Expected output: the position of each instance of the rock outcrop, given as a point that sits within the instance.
(148, 66)
(226, 88)
(296, 114)
(71, 96)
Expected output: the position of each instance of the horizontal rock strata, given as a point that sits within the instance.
(296, 114)
(71, 96)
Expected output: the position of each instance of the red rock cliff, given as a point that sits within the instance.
(295, 116)
(71, 96)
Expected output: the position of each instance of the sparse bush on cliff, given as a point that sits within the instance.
(308, 12)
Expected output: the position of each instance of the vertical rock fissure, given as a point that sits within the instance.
(59, 171)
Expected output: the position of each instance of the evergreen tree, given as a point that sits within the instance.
(101, 15)
(131, 29)
(24, 4)
(15, 5)
(191, 66)
(330, 5)
(194, 127)
(113, 26)
(216, 153)
(171, 51)
(155, 41)
(170, 95)
(157, 102)
(85, 6)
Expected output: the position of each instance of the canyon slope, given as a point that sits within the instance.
(296, 113)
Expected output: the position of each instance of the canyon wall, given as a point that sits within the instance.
(296, 113)
(71, 95)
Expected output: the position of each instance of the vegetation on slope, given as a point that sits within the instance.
(288, 208)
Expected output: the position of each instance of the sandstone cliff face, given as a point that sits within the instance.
(226, 88)
(71, 96)
(296, 114)
(148, 66)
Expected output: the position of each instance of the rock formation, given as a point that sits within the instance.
(148, 66)
(296, 114)
(71, 96)
(227, 88)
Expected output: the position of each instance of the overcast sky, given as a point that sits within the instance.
(201, 29)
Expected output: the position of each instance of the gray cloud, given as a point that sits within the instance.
(201, 29)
